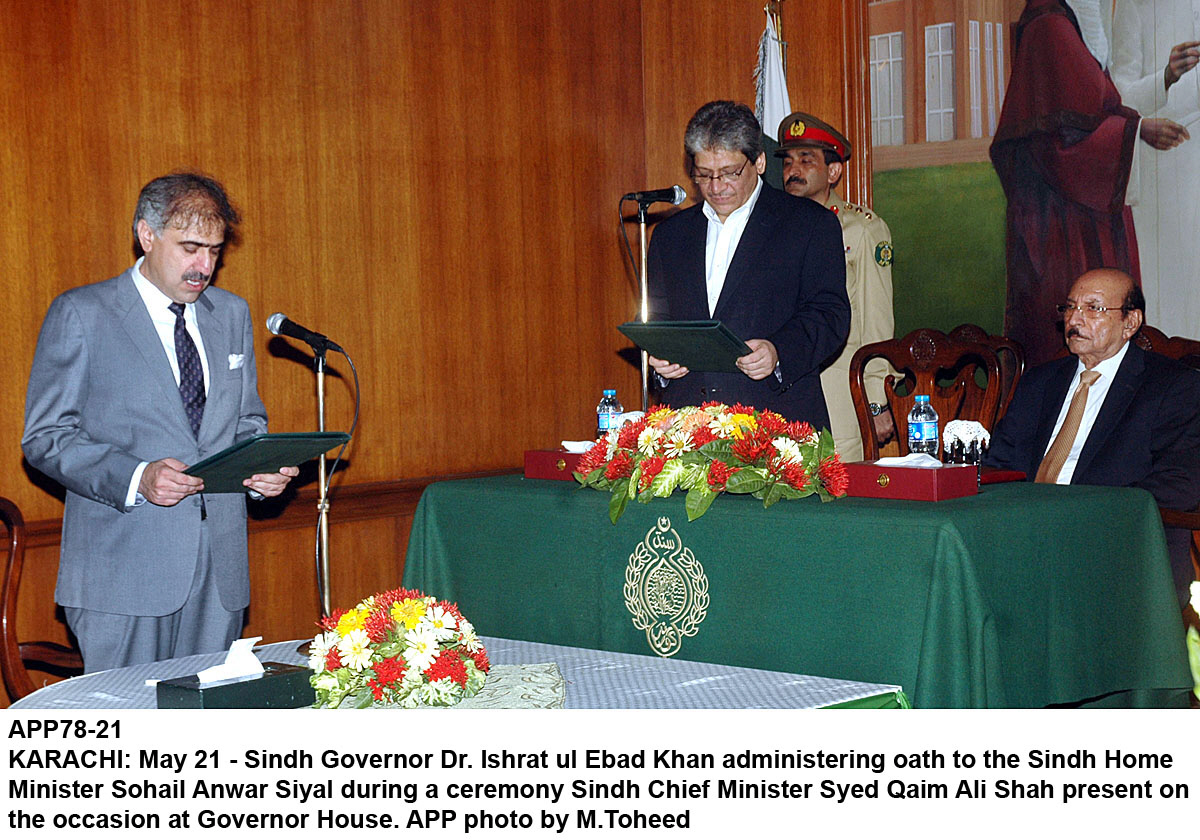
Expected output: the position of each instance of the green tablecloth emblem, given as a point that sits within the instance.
(666, 589)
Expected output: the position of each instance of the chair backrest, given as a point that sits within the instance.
(14, 655)
(925, 358)
(1186, 350)
(1009, 353)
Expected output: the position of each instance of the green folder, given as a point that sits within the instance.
(225, 471)
(697, 345)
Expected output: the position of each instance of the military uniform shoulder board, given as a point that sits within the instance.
(883, 254)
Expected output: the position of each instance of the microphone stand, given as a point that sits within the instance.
(645, 301)
(322, 494)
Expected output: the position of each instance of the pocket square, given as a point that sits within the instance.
(236, 360)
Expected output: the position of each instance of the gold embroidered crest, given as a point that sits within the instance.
(666, 589)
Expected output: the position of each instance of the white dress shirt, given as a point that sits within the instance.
(721, 244)
(164, 324)
(1095, 401)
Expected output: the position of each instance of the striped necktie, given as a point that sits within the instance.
(191, 374)
(1056, 455)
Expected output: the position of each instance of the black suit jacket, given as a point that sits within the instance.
(786, 283)
(1147, 433)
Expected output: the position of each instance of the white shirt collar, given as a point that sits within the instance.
(156, 302)
(739, 214)
(1107, 368)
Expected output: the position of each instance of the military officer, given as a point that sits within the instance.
(814, 156)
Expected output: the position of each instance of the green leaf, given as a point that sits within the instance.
(825, 447)
(747, 480)
(694, 475)
(665, 482)
(718, 450)
(698, 500)
(774, 494)
(618, 500)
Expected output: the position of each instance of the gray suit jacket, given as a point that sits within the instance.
(101, 399)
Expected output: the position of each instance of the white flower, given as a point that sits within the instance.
(788, 450)
(355, 649)
(723, 425)
(469, 639)
(319, 649)
(677, 444)
(648, 440)
(441, 623)
(421, 647)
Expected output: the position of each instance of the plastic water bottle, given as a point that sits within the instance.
(923, 428)
(607, 412)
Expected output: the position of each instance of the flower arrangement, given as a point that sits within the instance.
(712, 449)
(401, 648)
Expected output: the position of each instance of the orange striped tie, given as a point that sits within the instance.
(1057, 454)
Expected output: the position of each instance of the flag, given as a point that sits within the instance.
(771, 99)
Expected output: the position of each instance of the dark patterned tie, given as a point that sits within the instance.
(191, 374)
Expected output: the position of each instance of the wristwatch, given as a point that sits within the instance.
(877, 409)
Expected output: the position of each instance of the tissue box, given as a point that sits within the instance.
(279, 686)
(913, 483)
(557, 464)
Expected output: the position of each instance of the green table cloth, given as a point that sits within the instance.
(1025, 595)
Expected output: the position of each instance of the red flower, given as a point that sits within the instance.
(333, 660)
(389, 671)
(481, 660)
(771, 424)
(795, 476)
(650, 468)
(376, 689)
(379, 623)
(799, 430)
(738, 408)
(450, 608)
(628, 437)
(593, 458)
(621, 466)
(448, 664)
(710, 404)
(832, 473)
(752, 447)
(701, 436)
(718, 474)
(330, 622)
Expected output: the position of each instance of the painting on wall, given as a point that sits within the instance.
(941, 72)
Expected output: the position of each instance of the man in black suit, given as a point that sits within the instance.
(1139, 420)
(767, 264)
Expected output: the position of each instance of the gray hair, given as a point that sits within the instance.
(723, 125)
(182, 199)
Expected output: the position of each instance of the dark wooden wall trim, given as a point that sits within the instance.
(352, 503)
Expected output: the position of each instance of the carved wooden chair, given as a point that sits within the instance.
(924, 358)
(16, 657)
(1186, 350)
(1009, 353)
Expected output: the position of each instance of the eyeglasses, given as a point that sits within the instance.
(1087, 309)
(725, 176)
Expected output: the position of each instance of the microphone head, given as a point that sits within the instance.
(274, 322)
(679, 195)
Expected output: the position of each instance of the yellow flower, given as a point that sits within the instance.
(408, 611)
(352, 620)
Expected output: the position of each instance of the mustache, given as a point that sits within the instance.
(189, 276)
(796, 179)
(1073, 332)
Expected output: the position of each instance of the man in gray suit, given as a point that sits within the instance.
(135, 378)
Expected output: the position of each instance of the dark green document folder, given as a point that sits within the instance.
(697, 345)
(225, 471)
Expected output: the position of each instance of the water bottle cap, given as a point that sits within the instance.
(610, 392)
(922, 398)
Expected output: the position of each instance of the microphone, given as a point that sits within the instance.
(279, 324)
(671, 195)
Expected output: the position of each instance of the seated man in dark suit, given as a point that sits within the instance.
(1110, 413)
(767, 264)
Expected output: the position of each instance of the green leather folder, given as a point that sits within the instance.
(697, 345)
(225, 471)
